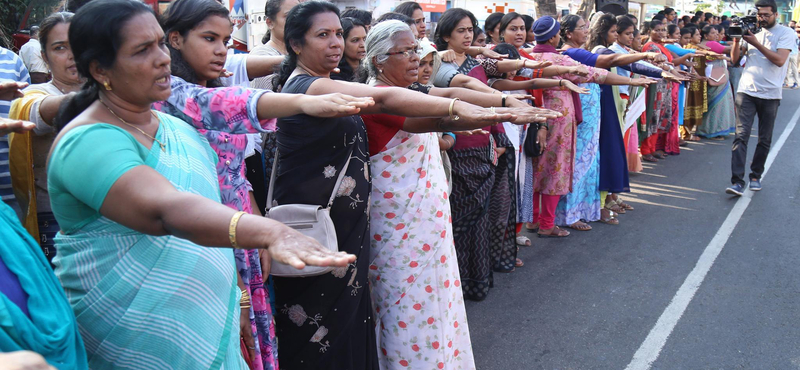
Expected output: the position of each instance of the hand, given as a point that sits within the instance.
(334, 105)
(520, 97)
(491, 54)
(541, 139)
(750, 38)
(10, 90)
(24, 360)
(644, 82)
(571, 86)
(473, 114)
(499, 150)
(225, 73)
(17, 126)
(292, 248)
(447, 56)
(246, 332)
(477, 131)
(656, 57)
(578, 71)
(528, 115)
(672, 77)
(266, 263)
(537, 65)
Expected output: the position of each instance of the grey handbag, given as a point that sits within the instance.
(310, 220)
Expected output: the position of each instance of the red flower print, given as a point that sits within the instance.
(411, 194)
(421, 148)
(428, 184)
(450, 344)
(422, 174)
(444, 233)
(455, 325)
(378, 237)
(402, 159)
(443, 259)
(410, 279)
(455, 354)
(384, 351)
(390, 215)
(386, 174)
(413, 264)
(388, 195)
(447, 283)
(445, 195)
(435, 345)
(439, 214)
(426, 247)
(441, 365)
(457, 283)
(373, 267)
(403, 363)
(430, 321)
(405, 236)
(402, 324)
(429, 289)
(415, 348)
(400, 226)
(387, 158)
(417, 306)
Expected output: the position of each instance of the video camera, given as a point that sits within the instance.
(748, 23)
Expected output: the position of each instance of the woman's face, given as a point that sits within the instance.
(425, 69)
(530, 37)
(685, 39)
(58, 55)
(676, 35)
(461, 38)
(276, 26)
(515, 33)
(323, 44)
(354, 45)
(495, 33)
(696, 37)
(480, 40)
(625, 38)
(399, 69)
(580, 34)
(205, 47)
(419, 20)
(636, 42)
(713, 35)
(658, 33)
(612, 35)
(141, 72)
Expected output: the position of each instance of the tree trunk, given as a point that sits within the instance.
(546, 7)
(587, 6)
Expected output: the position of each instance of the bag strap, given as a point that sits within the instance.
(335, 188)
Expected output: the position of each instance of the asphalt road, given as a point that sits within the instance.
(588, 301)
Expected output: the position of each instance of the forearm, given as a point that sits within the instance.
(471, 83)
(556, 71)
(260, 66)
(419, 125)
(469, 96)
(615, 79)
(774, 57)
(48, 108)
(277, 105)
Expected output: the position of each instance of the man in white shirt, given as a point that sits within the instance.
(759, 93)
(31, 54)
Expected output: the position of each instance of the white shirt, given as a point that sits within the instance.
(31, 54)
(760, 77)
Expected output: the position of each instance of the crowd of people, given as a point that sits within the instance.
(143, 158)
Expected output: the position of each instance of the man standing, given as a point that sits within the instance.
(759, 93)
(31, 54)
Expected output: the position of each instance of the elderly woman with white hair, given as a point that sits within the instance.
(416, 288)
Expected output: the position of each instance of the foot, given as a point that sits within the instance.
(735, 189)
(614, 207)
(608, 217)
(649, 158)
(794, 87)
(623, 205)
(660, 154)
(580, 226)
(717, 138)
(519, 263)
(755, 184)
(683, 143)
(694, 138)
(555, 232)
(523, 241)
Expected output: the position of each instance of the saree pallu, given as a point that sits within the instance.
(155, 302)
(613, 168)
(503, 207)
(659, 100)
(720, 120)
(696, 102)
(631, 140)
(583, 203)
(473, 178)
(669, 141)
(421, 322)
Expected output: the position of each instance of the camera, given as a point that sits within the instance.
(744, 24)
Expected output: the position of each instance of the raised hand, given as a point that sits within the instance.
(447, 56)
(571, 86)
(538, 65)
(10, 90)
(579, 70)
(13, 125)
(643, 82)
(297, 250)
(335, 105)
(491, 54)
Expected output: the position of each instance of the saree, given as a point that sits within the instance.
(421, 322)
(720, 119)
(660, 106)
(503, 206)
(696, 100)
(152, 302)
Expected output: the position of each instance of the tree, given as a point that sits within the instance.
(546, 7)
(586, 8)
(702, 7)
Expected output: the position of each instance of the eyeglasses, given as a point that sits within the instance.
(408, 53)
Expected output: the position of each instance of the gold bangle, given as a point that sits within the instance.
(232, 228)
(245, 307)
(452, 104)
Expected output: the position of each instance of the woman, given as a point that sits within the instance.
(678, 52)
(400, 147)
(492, 28)
(134, 210)
(720, 119)
(658, 141)
(28, 152)
(275, 12)
(479, 37)
(326, 322)
(553, 171)
(696, 94)
(413, 10)
(355, 34)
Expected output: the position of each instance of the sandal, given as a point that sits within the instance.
(611, 219)
(694, 138)
(614, 207)
(532, 227)
(683, 143)
(556, 232)
(523, 241)
(623, 205)
(661, 155)
(649, 158)
(580, 226)
(519, 263)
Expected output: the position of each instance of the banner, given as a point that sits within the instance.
(434, 6)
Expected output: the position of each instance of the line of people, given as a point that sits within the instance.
(151, 143)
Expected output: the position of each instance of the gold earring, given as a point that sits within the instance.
(107, 86)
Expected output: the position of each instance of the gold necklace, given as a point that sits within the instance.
(163, 147)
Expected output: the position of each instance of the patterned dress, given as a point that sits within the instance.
(326, 322)
(416, 288)
(223, 116)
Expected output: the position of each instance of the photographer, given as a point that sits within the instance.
(759, 93)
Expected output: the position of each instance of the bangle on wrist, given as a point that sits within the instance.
(503, 98)
(560, 83)
(232, 228)
(452, 104)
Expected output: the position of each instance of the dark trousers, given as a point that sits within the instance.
(747, 107)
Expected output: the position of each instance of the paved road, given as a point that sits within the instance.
(590, 300)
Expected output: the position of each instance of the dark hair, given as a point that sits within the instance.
(397, 17)
(477, 31)
(668, 10)
(708, 16)
(599, 32)
(702, 25)
(94, 36)
(568, 24)
(507, 49)
(706, 30)
(491, 22)
(47, 25)
(624, 22)
(298, 21)
(672, 28)
(659, 17)
(448, 22)
(767, 3)
(506, 20)
(686, 19)
(528, 22)
(688, 30)
(271, 10)
(407, 8)
(725, 18)
(348, 24)
(363, 15)
(631, 16)
(183, 16)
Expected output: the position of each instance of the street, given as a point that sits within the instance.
(599, 299)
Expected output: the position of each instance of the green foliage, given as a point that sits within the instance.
(12, 13)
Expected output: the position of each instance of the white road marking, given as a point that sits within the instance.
(651, 347)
